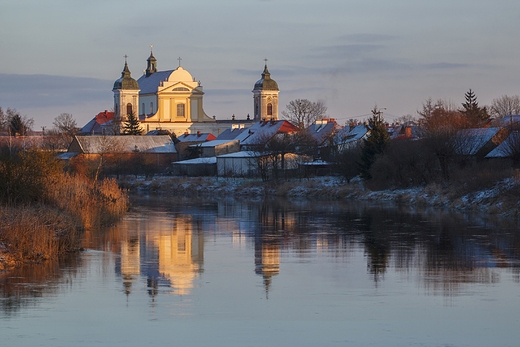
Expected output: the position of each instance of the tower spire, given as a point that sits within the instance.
(152, 63)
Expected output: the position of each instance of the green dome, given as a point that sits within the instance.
(126, 81)
(266, 83)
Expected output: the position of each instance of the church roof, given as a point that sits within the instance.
(150, 84)
(126, 81)
(266, 83)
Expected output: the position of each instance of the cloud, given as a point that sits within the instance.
(445, 66)
(30, 91)
(367, 38)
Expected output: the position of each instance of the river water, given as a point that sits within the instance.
(277, 273)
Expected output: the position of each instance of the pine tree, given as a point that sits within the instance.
(473, 112)
(132, 125)
(374, 144)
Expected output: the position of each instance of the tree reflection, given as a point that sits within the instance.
(162, 247)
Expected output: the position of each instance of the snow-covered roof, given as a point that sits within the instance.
(125, 144)
(214, 143)
(320, 130)
(197, 161)
(198, 137)
(231, 134)
(470, 141)
(351, 134)
(241, 154)
(504, 150)
(261, 131)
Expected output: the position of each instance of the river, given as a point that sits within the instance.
(274, 273)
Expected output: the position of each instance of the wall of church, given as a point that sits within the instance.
(148, 104)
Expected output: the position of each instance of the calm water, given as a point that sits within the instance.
(280, 273)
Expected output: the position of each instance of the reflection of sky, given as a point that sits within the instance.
(322, 293)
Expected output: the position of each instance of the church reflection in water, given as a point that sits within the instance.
(166, 247)
(168, 252)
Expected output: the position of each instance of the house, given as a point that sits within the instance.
(350, 136)
(254, 164)
(261, 132)
(507, 152)
(126, 153)
(322, 130)
(238, 164)
(478, 142)
(217, 147)
(99, 125)
(195, 167)
(187, 145)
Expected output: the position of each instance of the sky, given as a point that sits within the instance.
(63, 56)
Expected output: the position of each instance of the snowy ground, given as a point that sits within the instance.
(501, 199)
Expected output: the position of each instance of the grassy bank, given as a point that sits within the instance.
(44, 210)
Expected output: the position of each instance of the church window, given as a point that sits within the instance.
(142, 108)
(151, 107)
(269, 109)
(180, 110)
(129, 109)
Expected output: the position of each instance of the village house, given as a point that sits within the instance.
(125, 153)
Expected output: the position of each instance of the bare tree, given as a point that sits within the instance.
(441, 132)
(505, 106)
(65, 124)
(3, 119)
(302, 112)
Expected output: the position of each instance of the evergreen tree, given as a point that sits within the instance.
(374, 144)
(132, 125)
(473, 112)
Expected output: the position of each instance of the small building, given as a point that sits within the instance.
(195, 167)
(217, 147)
(478, 142)
(126, 153)
(239, 164)
(351, 136)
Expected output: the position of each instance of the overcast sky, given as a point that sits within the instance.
(64, 55)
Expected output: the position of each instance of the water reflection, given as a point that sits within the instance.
(162, 243)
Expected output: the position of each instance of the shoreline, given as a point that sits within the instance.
(501, 199)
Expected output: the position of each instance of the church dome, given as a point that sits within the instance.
(180, 75)
(266, 83)
(126, 81)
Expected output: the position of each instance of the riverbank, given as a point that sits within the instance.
(34, 233)
(501, 198)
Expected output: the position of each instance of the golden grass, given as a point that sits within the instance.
(51, 227)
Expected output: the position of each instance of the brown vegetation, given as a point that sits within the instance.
(43, 208)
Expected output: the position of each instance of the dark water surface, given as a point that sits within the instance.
(278, 273)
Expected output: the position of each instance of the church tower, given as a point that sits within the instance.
(126, 96)
(265, 97)
(152, 65)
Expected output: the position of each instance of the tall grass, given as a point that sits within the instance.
(43, 209)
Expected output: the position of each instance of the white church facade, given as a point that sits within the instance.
(173, 100)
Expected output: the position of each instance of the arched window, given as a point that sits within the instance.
(269, 109)
(151, 108)
(129, 109)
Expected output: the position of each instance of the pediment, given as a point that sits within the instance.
(179, 87)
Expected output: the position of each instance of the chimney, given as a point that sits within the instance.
(408, 132)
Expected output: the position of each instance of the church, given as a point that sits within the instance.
(173, 100)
